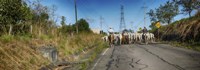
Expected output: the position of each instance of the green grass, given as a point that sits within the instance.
(192, 45)
(6, 38)
(93, 56)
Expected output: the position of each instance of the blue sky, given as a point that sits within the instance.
(109, 10)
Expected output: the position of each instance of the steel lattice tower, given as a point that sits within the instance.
(122, 21)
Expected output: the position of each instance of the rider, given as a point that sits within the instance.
(110, 31)
(144, 31)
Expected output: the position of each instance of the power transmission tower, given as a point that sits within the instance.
(122, 21)
(144, 7)
(76, 16)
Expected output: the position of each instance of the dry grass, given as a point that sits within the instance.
(183, 33)
(18, 55)
(78, 44)
(183, 30)
(20, 52)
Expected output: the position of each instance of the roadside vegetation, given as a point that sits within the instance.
(181, 33)
(26, 26)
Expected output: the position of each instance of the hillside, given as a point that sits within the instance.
(186, 30)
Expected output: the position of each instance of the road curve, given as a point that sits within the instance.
(148, 57)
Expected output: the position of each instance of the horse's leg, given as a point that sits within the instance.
(120, 40)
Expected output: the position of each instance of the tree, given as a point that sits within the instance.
(13, 12)
(41, 17)
(197, 5)
(63, 19)
(83, 25)
(169, 11)
(165, 13)
(65, 28)
(188, 5)
(152, 15)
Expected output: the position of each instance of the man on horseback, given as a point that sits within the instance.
(111, 36)
(144, 32)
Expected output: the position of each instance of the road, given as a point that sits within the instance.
(147, 57)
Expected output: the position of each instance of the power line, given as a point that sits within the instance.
(144, 7)
(137, 26)
(131, 24)
(84, 4)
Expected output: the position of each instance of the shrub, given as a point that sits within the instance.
(6, 38)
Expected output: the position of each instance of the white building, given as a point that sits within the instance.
(97, 31)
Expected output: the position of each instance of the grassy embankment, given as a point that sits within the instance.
(183, 33)
(21, 52)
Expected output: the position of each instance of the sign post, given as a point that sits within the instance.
(158, 26)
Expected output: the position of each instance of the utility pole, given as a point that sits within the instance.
(76, 16)
(101, 22)
(144, 7)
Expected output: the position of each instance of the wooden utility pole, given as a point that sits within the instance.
(76, 16)
(101, 22)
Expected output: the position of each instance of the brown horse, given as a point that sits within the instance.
(111, 39)
(125, 39)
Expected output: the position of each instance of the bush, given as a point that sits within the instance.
(6, 38)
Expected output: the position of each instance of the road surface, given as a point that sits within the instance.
(147, 57)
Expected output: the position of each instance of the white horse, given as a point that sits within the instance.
(105, 38)
(132, 37)
(150, 37)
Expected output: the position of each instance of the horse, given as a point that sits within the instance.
(151, 37)
(125, 38)
(145, 38)
(111, 39)
(105, 38)
(117, 39)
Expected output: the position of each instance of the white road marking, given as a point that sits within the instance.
(105, 51)
(99, 59)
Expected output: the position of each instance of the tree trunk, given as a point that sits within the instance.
(189, 13)
(40, 30)
(169, 21)
(10, 29)
(31, 29)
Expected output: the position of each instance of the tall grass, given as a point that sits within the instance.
(20, 52)
(184, 32)
(18, 55)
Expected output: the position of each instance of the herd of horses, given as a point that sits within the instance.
(129, 38)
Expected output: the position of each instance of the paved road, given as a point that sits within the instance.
(147, 57)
